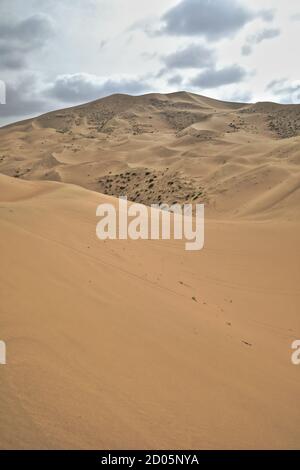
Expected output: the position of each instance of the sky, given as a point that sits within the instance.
(55, 54)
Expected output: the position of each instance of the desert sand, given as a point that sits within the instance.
(141, 344)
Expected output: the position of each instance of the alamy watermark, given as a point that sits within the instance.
(159, 221)
(296, 354)
(2, 92)
(2, 353)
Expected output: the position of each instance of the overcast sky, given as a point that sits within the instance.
(55, 54)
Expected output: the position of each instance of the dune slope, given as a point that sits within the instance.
(140, 344)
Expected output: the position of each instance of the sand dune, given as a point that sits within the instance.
(125, 344)
(141, 344)
(237, 152)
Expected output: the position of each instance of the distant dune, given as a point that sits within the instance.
(242, 160)
(141, 344)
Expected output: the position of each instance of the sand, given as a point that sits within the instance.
(141, 344)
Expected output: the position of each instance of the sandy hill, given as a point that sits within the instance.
(242, 160)
(124, 344)
(141, 344)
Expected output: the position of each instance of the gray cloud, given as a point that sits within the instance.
(176, 80)
(286, 91)
(11, 59)
(246, 49)
(260, 36)
(266, 15)
(212, 19)
(17, 39)
(23, 99)
(240, 97)
(81, 87)
(265, 34)
(192, 56)
(295, 17)
(213, 78)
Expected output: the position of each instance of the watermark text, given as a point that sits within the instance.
(161, 221)
(296, 354)
(2, 353)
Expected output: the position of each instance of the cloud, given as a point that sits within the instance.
(213, 19)
(266, 15)
(103, 44)
(176, 80)
(265, 34)
(11, 59)
(213, 78)
(295, 17)
(82, 87)
(288, 92)
(18, 39)
(192, 56)
(23, 98)
(260, 36)
(246, 49)
(240, 97)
